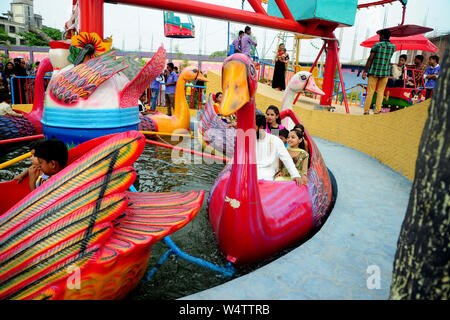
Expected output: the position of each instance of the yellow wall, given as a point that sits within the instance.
(392, 138)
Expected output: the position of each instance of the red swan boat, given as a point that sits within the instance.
(254, 219)
(82, 235)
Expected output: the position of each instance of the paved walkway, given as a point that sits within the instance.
(361, 231)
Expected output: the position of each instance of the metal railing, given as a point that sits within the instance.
(22, 89)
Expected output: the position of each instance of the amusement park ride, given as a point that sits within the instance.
(85, 214)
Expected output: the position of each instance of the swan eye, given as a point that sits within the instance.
(195, 71)
(303, 77)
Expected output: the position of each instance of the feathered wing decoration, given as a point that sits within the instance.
(84, 219)
(133, 90)
(214, 130)
(65, 221)
(82, 80)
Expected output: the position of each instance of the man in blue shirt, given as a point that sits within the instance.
(431, 75)
(237, 42)
(154, 89)
(171, 83)
(247, 42)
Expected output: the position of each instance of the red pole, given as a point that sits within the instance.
(230, 14)
(284, 9)
(165, 145)
(256, 5)
(20, 139)
(20, 90)
(91, 16)
(317, 59)
(342, 81)
(328, 77)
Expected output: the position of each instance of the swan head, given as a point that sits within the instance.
(59, 53)
(304, 81)
(239, 83)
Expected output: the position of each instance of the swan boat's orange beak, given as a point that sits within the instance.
(235, 87)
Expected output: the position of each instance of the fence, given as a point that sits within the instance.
(25, 94)
(355, 94)
(265, 73)
(22, 89)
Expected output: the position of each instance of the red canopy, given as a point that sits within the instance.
(417, 42)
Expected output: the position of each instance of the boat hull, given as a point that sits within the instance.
(291, 214)
(81, 235)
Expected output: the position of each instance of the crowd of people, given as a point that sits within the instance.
(382, 74)
(281, 155)
(9, 71)
(164, 86)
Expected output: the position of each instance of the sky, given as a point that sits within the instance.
(135, 27)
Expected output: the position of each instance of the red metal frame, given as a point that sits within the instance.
(376, 3)
(91, 19)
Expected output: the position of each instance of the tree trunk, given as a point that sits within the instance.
(422, 260)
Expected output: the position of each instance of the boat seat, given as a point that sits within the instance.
(278, 201)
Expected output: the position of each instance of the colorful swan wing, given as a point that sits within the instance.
(214, 130)
(66, 222)
(147, 123)
(149, 218)
(133, 90)
(82, 80)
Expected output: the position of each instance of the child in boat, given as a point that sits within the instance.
(301, 128)
(34, 162)
(284, 133)
(52, 156)
(299, 155)
(229, 120)
(273, 120)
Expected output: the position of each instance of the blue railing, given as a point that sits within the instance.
(26, 95)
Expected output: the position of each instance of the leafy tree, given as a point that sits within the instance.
(222, 53)
(53, 33)
(5, 38)
(32, 39)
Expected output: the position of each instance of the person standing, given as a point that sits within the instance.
(431, 75)
(18, 84)
(378, 68)
(269, 151)
(171, 83)
(420, 69)
(278, 80)
(247, 42)
(154, 91)
(237, 43)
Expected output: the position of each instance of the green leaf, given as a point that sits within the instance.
(74, 52)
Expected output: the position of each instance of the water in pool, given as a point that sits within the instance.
(157, 173)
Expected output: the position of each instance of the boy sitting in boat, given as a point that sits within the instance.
(34, 163)
(296, 141)
(269, 151)
(52, 157)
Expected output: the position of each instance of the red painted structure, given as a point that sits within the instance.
(253, 219)
(91, 19)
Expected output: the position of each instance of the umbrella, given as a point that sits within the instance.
(417, 42)
(406, 30)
